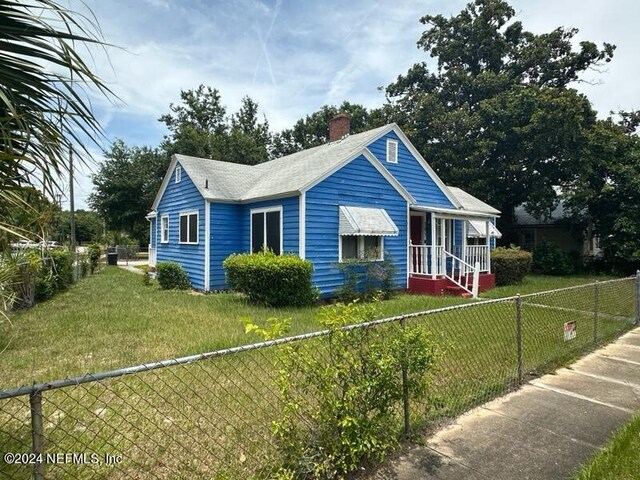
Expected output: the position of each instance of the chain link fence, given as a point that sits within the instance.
(212, 415)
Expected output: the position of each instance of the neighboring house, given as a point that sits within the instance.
(555, 229)
(358, 193)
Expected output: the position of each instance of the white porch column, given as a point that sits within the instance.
(464, 241)
(488, 223)
(433, 246)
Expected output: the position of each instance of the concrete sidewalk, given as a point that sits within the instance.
(545, 430)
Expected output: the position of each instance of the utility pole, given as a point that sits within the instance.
(72, 214)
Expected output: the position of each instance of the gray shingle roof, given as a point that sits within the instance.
(471, 203)
(235, 182)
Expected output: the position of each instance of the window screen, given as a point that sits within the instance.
(184, 220)
(371, 247)
(189, 228)
(273, 231)
(257, 232)
(349, 247)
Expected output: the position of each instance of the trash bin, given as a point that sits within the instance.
(112, 258)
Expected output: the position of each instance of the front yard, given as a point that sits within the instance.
(112, 320)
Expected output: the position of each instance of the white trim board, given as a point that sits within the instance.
(302, 226)
(207, 242)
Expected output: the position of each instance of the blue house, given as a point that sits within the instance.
(367, 196)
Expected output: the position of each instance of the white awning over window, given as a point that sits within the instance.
(478, 229)
(366, 221)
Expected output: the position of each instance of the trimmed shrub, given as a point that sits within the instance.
(270, 279)
(171, 276)
(56, 274)
(550, 259)
(94, 252)
(510, 265)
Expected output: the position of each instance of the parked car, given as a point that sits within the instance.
(25, 244)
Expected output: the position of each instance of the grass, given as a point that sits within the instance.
(216, 415)
(540, 283)
(619, 460)
(111, 320)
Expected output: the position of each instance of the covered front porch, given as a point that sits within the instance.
(450, 251)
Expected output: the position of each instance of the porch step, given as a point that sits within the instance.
(456, 291)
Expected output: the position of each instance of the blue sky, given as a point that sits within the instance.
(293, 57)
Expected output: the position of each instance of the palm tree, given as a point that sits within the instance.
(44, 109)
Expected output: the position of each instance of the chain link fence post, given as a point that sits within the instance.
(596, 311)
(518, 302)
(405, 392)
(637, 297)
(37, 433)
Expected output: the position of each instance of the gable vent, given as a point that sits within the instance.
(392, 151)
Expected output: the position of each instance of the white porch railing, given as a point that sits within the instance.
(420, 261)
(152, 257)
(461, 273)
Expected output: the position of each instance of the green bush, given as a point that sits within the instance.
(550, 259)
(270, 279)
(357, 388)
(363, 279)
(172, 276)
(510, 265)
(56, 274)
(94, 252)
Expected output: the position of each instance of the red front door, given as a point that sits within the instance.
(417, 230)
(416, 234)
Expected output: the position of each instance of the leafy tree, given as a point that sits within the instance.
(89, 226)
(200, 127)
(44, 113)
(313, 130)
(125, 187)
(496, 116)
(606, 193)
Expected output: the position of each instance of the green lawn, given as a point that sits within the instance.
(620, 460)
(540, 283)
(112, 320)
(216, 414)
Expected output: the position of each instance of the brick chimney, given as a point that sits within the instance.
(339, 126)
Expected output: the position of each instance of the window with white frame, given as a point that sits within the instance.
(368, 248)
(392, 151)
(178, 173)
(164, 229)
(266, 229)
(189, 227)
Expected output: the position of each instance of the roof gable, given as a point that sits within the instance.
(412, 170)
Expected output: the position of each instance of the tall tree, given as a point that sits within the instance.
(200, 127)
(606, 194)
(44, 112)
(497, 115)
(313, 130)
(126, 185)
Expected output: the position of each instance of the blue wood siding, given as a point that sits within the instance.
(178, 198)
(230, 230)
(290, 222)
(356, 184)
(410, 173)
(226, 238)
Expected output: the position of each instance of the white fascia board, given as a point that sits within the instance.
(387, 175)
(207, 247)
(165, 182)
(453, 213)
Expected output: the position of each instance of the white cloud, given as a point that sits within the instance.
(293, 57)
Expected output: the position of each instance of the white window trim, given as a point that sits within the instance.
(390, 142)
(361, 248)
(162, 240)
(178, 174)
(265, 210)
(187, 214)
